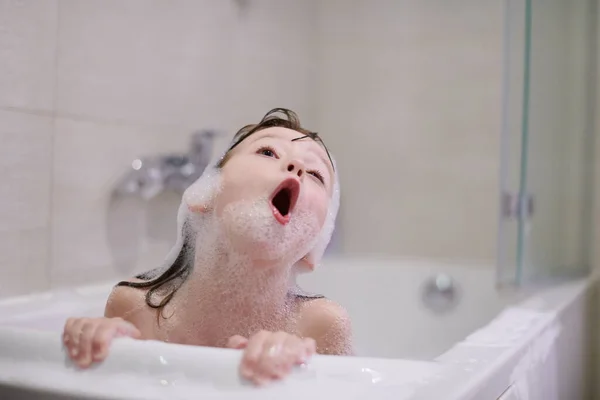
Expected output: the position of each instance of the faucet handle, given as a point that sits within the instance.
(201, 146)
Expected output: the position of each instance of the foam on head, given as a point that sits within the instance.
(201, 192)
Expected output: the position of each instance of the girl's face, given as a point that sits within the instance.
(279, 188)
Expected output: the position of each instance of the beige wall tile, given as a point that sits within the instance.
(146, 62)
(25, 165)
(410, 102)
(28, 54)
(24, 261)
(274, 60)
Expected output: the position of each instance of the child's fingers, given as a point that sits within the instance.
(237, 342)
(133, 331)
(85, 343)
(252, 354)
(67, 332)
(278, 351)
(71, 337)
(125, 328)
(296, 351)
(87, 339)
(75, 332)
(310, 346)
(101, 341)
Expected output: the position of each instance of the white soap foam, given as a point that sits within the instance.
(253, 222)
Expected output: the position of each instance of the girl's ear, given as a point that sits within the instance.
(200, 197)
(199, 208)
(306, 263)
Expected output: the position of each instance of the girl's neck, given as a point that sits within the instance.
(226, 294)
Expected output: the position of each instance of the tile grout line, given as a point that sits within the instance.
(50, 244)
(96, 120)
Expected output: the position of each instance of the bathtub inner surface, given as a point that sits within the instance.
(385, 300)
(393, 327)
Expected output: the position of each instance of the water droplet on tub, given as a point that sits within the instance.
(373, 375)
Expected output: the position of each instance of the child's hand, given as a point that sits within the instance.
(87, 339)
(271, 355)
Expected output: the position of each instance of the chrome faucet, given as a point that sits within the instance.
(147, 177)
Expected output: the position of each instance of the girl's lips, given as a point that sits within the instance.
(280, 218)
(283, 200)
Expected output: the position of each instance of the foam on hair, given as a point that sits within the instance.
(202, 191)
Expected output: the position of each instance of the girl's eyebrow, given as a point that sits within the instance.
(315, 136)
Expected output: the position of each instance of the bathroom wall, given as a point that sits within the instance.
(406, 94)
(419, 125)
(87, 87)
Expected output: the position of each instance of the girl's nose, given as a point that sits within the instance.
(296, 167)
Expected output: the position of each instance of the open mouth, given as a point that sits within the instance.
(284, 200)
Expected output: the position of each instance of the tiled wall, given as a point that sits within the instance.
(86, 87)
(406, 93)
(419, 123)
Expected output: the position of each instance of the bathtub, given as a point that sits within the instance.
(477, 343)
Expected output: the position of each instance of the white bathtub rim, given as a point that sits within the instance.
(456, 382)
(149, 362)
(499, 363)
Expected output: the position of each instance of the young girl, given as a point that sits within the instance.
(264, 213)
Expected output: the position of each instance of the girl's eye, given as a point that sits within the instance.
(317, 175)
(267, 151)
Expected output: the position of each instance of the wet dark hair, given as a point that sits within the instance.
(164, 285)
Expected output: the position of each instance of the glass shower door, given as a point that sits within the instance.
(508, 251)
(545, 224)
(558, 112)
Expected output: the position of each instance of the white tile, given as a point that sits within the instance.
(97, 236)
(24, 261)
(274, 48)
(25, 165)
(28, 53)
(411, 92)
(272, 30)
(259, 87)
(146, 62)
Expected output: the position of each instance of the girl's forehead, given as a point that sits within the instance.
(276, 132)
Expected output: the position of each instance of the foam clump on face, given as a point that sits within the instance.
(253, 220)
(315, 256)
